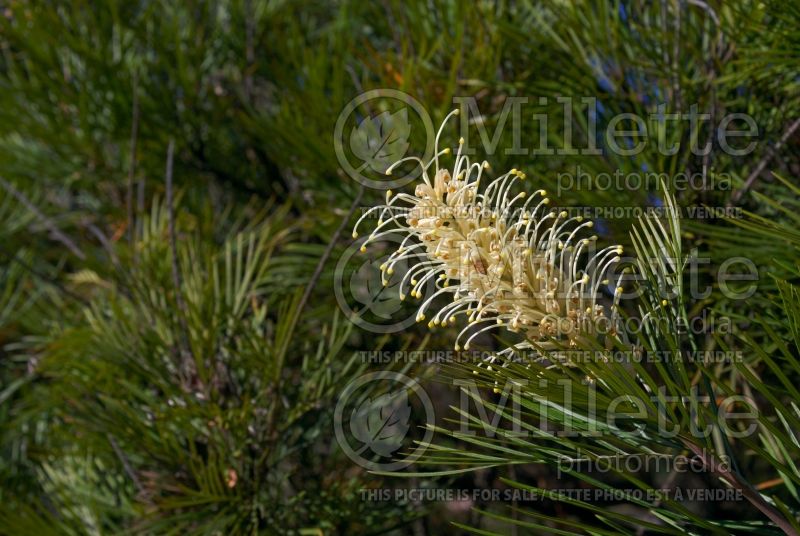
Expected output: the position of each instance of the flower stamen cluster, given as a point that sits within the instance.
(504, 259)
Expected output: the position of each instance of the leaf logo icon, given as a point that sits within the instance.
(378, 426)
(382, 424)
(381, 140)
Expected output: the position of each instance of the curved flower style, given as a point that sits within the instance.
(506, 260)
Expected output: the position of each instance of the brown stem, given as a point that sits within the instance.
(328, 250)
(132, 162)
(177, 280)
(50, 224)
(126, 464)
(275, 387)
(764, 161)
(745, 488)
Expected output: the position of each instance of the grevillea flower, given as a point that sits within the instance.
(504, 259)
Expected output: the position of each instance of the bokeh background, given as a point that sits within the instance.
(171, 349)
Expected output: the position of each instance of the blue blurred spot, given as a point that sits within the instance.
(601, 226)
(654, 200)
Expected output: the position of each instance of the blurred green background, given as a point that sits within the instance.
(169, 362)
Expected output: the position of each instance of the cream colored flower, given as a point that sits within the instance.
(504, 259)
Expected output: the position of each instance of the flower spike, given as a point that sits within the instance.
(505, 260)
